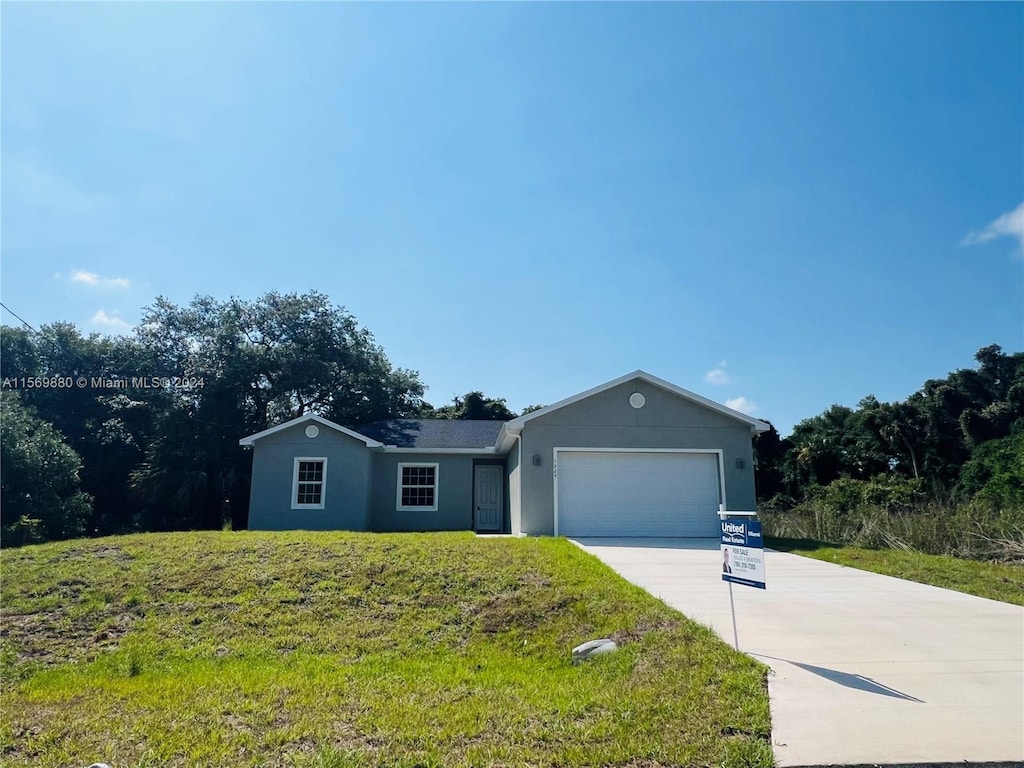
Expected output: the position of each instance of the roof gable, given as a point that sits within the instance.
(515, 425)
(314, 419)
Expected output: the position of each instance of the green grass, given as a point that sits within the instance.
(332, 650)
(996, 581)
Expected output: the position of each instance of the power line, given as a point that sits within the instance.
(23, 321)
(34, 330)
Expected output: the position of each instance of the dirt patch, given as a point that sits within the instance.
(534, 579)
(51, 638)
(436, 601)
(644, 626)
(107, 553)
(516, 610)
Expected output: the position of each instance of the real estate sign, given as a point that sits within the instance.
(743, 553)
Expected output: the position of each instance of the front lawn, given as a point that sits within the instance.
(332, 649)
(996, 581)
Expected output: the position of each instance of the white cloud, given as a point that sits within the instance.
(717, 376)
(741, 404)
(109, 321)
(91, 278)
(1010, 224)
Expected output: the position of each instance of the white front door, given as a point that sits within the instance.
(488, 497)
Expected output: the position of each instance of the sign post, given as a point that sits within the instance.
(742, 551)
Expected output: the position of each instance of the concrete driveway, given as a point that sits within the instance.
(866, 668)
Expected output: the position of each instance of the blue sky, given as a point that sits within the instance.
(777, 206)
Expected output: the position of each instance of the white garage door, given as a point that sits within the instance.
(605, 493)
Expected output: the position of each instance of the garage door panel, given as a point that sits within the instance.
(637, 493)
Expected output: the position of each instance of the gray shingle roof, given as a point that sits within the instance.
(433, 433)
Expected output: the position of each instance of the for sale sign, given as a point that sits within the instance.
(743, 553)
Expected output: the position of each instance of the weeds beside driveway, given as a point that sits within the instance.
(332, 649)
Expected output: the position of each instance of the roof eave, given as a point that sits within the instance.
(250, 440)
(396, 449)
(756, 425)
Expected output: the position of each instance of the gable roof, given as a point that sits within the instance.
(458, 435)
(313, 418)
(434, 433)
(514, 426)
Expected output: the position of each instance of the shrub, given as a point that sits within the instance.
(883, 514)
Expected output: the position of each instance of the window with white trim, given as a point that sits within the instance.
(417, 488)
(308, 482)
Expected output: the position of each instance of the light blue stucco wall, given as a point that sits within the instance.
(347, 486)
(454, 493)
(606, 420)
(512, 474)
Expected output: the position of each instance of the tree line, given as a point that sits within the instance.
(958, 439)
(140, 432)
(104, 435)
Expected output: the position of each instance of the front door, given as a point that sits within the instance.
(488, 497)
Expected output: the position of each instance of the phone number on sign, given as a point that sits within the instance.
(104, 382)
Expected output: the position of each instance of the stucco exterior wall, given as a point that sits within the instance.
(607, 420)
(347, 486)
(454, 493)
(512, 474)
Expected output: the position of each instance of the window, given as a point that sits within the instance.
(308, 482)
(417, 487)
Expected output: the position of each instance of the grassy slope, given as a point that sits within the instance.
(303, 649)
(996, 581)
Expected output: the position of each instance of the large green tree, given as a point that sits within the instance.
(107, 424)
(242, 366)
(40, 497)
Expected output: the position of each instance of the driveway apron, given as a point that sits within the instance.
(865, 668)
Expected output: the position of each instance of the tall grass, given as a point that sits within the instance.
(972, 531)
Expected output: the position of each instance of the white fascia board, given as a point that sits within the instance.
(395, 449)
(309, 417)
(756, 425)
(506, 438)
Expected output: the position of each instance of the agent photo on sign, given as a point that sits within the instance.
(726, 568)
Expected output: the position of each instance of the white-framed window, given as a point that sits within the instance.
(417, 487)
(309, 482)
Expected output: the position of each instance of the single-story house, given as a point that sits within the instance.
(636, 456)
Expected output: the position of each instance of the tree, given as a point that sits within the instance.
(770, 451)
(932, 436)
(994, 475)
(242, 366)
(108, 427)
(474, 405)
(39, 489)
(897, 427)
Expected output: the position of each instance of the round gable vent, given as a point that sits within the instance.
(312, 431)
(637, 400)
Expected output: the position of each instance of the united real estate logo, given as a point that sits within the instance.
(743, 553)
